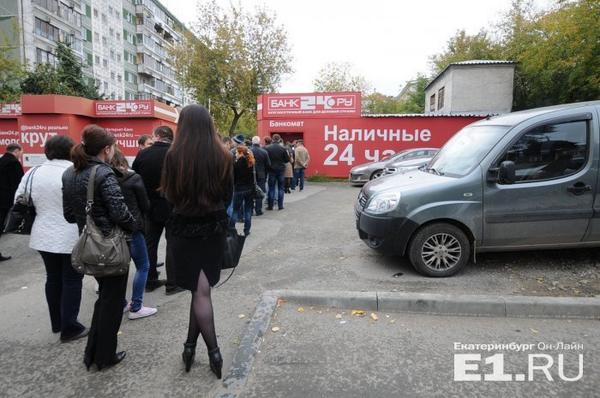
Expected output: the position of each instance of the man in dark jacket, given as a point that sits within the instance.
(279, 157)
(11, 173)
(149, 165)
(262, 165)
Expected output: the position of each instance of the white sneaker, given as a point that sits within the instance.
(127, 308)
(142, 313)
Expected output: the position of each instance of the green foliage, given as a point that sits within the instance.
(230, 59)
(414, 102)
(11, 69)
(66, 78)
(557, 51)
(339, 77)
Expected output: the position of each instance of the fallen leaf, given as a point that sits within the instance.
(24, 287)
(533, 330)
(393, 321)
(387, 315)
(119, 333)
(374, 316)
(358, 312)
(338, 316)
(275, 329)
(343, 322)
(241, 316)
(300, 309)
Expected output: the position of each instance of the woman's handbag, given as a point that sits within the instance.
(95, 254)
(258, 193)
(21, 216)
(234, 244)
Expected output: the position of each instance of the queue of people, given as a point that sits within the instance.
(168, 188)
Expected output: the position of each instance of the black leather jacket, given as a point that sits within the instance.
(136, 197)
(109, 208)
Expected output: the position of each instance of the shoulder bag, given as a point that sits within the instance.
(22, 215)
(258, 193)
(95, 254)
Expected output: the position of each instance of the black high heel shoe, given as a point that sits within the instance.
(188, 355)
(216, 362)
(119, 356)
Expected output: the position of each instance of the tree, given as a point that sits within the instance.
(12, 70)
(463, 47)
(66, 78)
(415, 103)
(340, 77)
(231, 57)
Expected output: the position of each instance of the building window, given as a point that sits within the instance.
(118, 36)
(44, 57)
(111, 32)
(105, 87)
(90, 59)
(110, 10)
(97, 60)
(104, 18)
(119, 78)
(104, 41)
(119, 58)
(88, 11)
(440, 98)
(44, 29)
(88, 35)
(105, 63)
(432, 103)
(112, 76)
(96, 37)
(112, 54)
(95, 13)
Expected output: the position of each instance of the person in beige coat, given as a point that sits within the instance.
(301, 160)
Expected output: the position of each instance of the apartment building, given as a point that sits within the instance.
(123, 44)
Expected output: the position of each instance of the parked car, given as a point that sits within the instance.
(524, 180)
(370, 171)
(403, 166)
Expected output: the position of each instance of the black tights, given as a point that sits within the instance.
(201, 315)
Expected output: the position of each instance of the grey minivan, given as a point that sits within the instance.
(524, 180)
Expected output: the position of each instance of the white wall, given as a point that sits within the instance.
(483, 88)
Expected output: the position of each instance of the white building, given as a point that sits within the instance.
(478, 86)
(123, 44)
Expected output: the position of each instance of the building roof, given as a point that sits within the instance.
(464, 114)
(471, 63)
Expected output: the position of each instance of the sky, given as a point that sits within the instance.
(387, 42)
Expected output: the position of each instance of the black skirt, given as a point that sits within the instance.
(197, 244)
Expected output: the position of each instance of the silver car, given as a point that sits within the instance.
(520, 181)
(366, 172)
(403, 166)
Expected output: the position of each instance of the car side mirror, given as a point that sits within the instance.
(506, 172)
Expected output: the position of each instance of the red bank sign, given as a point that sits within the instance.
(125, 108)
(346, 104)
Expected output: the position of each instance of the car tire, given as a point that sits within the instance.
(376, 174)
(439, 250)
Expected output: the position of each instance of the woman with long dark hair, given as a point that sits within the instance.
(109, 209)
(243, 187)
(198, 181)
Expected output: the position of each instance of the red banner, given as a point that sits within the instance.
(10, 110)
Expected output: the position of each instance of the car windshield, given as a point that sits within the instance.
(465, 150)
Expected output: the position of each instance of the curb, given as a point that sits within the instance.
(422, 303)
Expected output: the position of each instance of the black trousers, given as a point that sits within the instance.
(63, 294)
(106, 321)
(3, 214)
(258, 203)
(154, 231)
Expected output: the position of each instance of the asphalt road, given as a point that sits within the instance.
(312, 245)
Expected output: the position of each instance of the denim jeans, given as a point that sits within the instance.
(139, 254)
(258, 203)
(276, 178)
(298, 179)
(243, 203)
(63, 294)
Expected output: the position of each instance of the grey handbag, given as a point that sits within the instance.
(95, 254)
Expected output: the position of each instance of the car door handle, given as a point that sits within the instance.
(579, 188)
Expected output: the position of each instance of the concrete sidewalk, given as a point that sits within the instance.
(476, 306)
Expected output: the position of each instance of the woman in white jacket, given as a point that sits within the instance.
(53, 237)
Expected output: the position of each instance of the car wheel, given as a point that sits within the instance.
(376, 174)
(439, 250)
